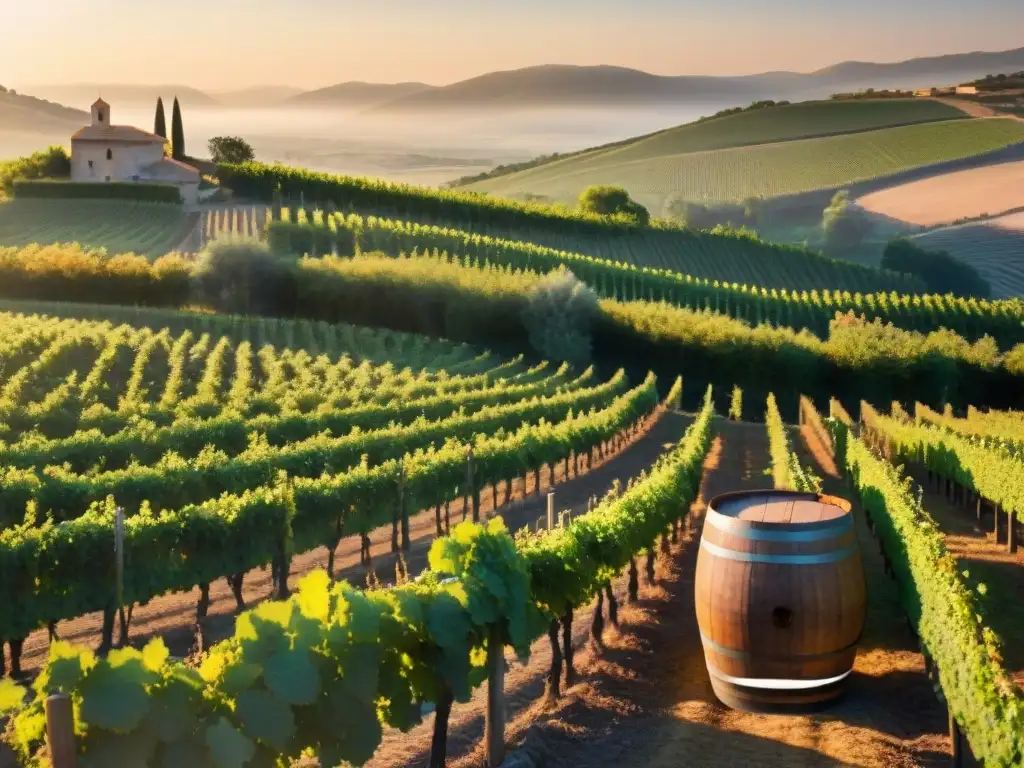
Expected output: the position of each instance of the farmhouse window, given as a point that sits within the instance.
(90, 163)
(110, 154)
(107, 179)
(100, 115)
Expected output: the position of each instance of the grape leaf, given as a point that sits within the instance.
(360, 671)
(354, 726)
(155, 654)
(292, 676)
(266, 717)
(239, 677)
(12, 696)
(189, 754)
(314, 598)
(171, 714)
(114, 692)
(448, 622)
(104, 749)
(67, 665)
(227, 747)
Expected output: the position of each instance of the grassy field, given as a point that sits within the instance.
(151, 229)
(767, 170)
(952, 196)
(995, 247)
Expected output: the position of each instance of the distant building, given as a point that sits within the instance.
(966, 90)
(104, 152)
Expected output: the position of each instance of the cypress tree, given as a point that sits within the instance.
(177, 132)
(160, 123)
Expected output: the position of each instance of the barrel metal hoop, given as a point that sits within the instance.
(732, 653)
(735, 527)
(774, 683)
(756, 557)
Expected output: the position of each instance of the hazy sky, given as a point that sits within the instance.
(218, 44)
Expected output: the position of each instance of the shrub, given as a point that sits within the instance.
(558, 317)
(241, 277)
(605, 200)
(845, 224)
(941, 272)
(113, 190)
(52, 163)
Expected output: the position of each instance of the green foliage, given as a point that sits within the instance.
(938, 269)
(844, 224)
(558, 317)
(239, 277)
(941, 606)
(320, 233)
(787, 472)
(177, 133)
(263, 182)
(612, 201)
(51, 163)
(160, 119)
(736, 404)
(989, 466)
(230, 149)
(330, 668)
(113, 190)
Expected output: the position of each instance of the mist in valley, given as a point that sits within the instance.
(415, 147)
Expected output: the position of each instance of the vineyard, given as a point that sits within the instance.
(309, 232)
(150, 229)
(762, 126)
(768, 170)
(702, 255)
(994, 247)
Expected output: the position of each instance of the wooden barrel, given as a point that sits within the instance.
(780, 599)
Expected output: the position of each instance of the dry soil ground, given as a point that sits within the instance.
(646, 700)
(946, 198)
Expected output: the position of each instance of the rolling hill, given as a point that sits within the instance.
(22, 113)
(84, 94)
(770, 152)
(995, 247)
(357, 95)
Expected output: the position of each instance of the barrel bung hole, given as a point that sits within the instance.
(782, 617)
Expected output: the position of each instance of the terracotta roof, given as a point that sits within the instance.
(100, 103)
(169, 170)
(116, 133)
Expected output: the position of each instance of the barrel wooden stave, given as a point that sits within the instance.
(790, 621)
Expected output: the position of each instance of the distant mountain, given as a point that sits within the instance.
(358, 95)
(257, 96)
(931, 66)
(570, 85)
(19, 112)
(82, 95)
(605, 86)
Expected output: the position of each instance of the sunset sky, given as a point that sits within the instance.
(225, 44)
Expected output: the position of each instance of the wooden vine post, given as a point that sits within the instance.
(403, 511)
(551, 510)
(956, 739)
(494, 725)
(1011, 531)
(60, 730)
(119, 558)
(470, 489)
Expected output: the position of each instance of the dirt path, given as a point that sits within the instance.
(986, 562)
(647, 700)
(972, 108)
(172, 616)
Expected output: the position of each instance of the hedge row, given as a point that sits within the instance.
(111, 190)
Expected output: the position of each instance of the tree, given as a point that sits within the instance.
(845, 224)
(160, 122)
(230, 149)
(240, 277)
(605, 200)
(177, 132)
